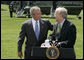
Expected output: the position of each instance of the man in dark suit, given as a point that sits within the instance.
(66, 29)
(35, 30)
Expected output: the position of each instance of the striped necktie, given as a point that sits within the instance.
(59, 28)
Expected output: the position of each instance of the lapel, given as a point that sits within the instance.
(41, 28)
(32, 30)
(64, 26)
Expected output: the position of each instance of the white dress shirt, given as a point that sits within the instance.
(62, 23)
(33, 23)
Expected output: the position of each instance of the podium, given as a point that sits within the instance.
(64, 53)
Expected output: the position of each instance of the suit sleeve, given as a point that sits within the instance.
(71, 36)
(52, 35)
(50, 26)
(21, 38)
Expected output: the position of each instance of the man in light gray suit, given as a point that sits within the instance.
(35, 30)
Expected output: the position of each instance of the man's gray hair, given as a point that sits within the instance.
(34, 8)
(62, 11)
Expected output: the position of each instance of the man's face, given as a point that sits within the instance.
(37, 14)
(57, 16)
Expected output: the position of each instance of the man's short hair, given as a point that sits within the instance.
(34, 8)
(62, 11)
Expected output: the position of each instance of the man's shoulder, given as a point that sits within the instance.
(27, 22)
(45, 21)
(70, 23)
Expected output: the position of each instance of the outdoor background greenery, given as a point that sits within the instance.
(10, 28)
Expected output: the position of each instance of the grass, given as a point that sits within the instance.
(10, 28)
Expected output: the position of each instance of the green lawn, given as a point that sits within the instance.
(10, 28)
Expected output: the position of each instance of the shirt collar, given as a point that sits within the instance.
(34, 20)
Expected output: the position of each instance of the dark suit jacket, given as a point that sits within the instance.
(68, 33)
(31, 41)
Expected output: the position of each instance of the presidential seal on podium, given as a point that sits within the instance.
(52, 53)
